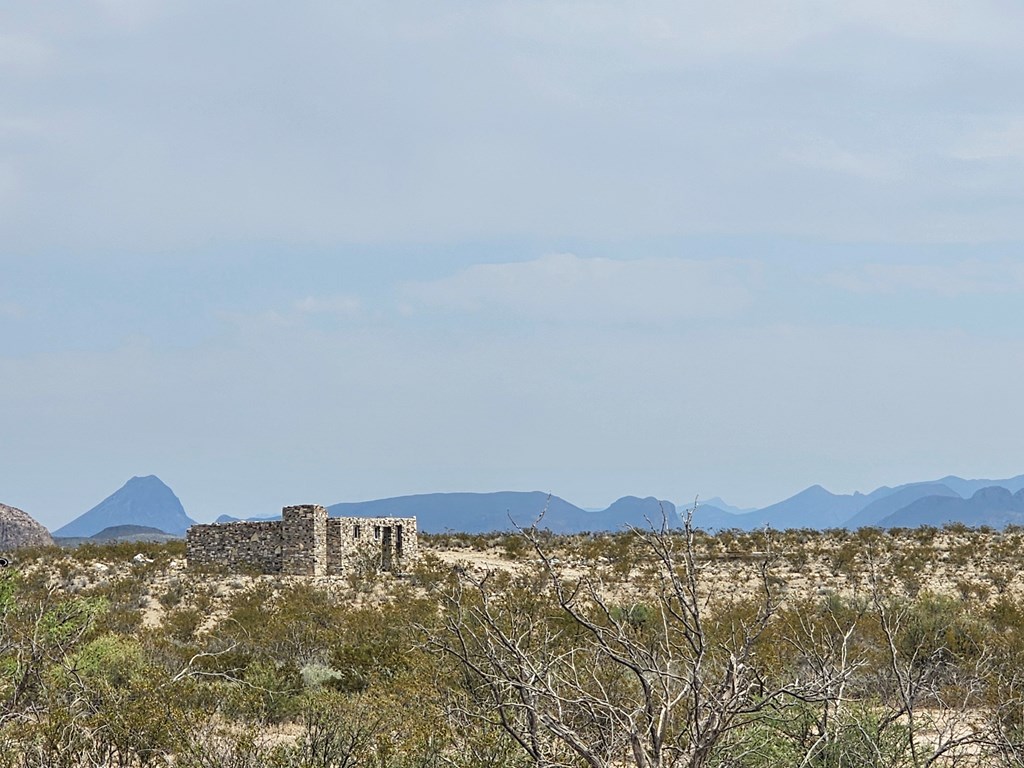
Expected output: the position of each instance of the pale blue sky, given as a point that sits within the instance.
(336, 251)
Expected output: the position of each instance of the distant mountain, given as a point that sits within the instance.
(711, 518)
(230, 519)
(629, 511)
(719, 503)
(18, 529)
(141, 501)
(486, 512)
(967, 488)
(117, 534)
(817, 508)
(878, 510)
(931, 503)
(993, 506)
(813, 507)
(132, 533)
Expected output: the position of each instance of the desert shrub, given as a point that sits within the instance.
(844, 559)
(212, 744)
(266, 692)
(125, 596)
(385, 728)
(380, 643)
(937, 632)
(972, 591)
(620, 554)
(1006, 616)
(858, 736)
(363, 571)
(315, 675)
(39, 629)
(999, 576)
(514, 547)
(105, 704)
(635, 615)
(161, 553)
(175, 592)
(797, 556)
(429, 572)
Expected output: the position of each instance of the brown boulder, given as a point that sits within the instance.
(17, 529)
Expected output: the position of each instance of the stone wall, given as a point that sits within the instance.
(336, 546)
(388, 543)
(254, 546)
(306, 542)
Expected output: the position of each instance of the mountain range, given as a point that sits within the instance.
(148, 502)
(503, 511)
(937, 502)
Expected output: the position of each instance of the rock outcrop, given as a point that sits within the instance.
(17, 529)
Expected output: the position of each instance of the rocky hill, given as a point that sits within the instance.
(18, 529)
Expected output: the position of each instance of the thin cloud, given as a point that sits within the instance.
(24, 54)
(11, 310)
(827, 156)
(133, 14)
(688, 30)
(569, 288)
(1002, 139)
(962, 278)
(330, 305)
(289, 318)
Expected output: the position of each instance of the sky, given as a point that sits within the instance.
(332, 251)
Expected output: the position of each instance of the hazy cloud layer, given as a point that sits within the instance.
(330, 305)
(320, 252)
(11, 310)
(960, 278)
(281, 413)
(567, 288)
(148, 126)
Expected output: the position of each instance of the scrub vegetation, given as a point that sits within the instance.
(644, 648)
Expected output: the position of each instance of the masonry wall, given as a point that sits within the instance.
(306, 542)
(388, 543)
(336, 546)
(255, 546)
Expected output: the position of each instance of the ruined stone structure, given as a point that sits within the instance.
(306, 542)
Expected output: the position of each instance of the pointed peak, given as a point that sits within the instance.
(145, 500)
(815, 490)
(145, 480)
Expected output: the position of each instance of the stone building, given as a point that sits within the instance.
(305, 542)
